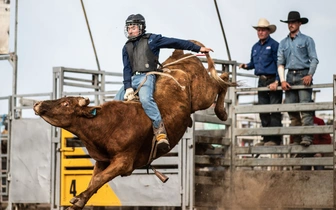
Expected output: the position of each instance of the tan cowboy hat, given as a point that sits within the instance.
(263, 23)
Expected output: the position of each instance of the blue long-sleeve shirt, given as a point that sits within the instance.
(298, 53)
(264, 58)
(155, 42)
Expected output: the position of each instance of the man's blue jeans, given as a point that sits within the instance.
(146, 96)
(270, 119)
(299, 96)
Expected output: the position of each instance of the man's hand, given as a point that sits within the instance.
(205, 50)
(129, 95)
(285, 85)
(307, 80)
(242, 66)
(273, 86)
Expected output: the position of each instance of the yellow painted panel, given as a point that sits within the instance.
(75, 184)
(77, 172)
(77, 162)
(74, 181)
(74, 151)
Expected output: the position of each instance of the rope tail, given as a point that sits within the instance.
(159, 73)
(212, 70)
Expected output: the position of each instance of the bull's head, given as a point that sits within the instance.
(63, 112)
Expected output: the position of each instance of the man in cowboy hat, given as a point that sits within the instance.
(264, 62)
(297, 53)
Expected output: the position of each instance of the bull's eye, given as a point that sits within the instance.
(66, 104)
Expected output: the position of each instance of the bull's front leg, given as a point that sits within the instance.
(79, 201)
(103, 173)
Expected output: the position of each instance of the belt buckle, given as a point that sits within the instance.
(295, 71)
(137, 73)
(263, 77)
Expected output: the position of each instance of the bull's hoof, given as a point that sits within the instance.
(77, 203)
(73, 208)
(74, 200)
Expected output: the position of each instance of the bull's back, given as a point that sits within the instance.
(203, 88)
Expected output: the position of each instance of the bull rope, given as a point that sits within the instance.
(159, 73)
(165, 74)
(218, 79)
(181, 59)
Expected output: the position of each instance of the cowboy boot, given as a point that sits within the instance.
(161, 138)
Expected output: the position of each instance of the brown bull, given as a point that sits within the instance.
(118, 135)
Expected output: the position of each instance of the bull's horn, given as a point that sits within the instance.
(84, 101)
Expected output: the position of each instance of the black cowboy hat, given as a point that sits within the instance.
(295, 16)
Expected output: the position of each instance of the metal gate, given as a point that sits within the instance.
(238, 175)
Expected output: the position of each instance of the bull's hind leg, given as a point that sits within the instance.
(103, 172)
(219, 108)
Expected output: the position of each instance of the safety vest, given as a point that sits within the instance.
(141, 57)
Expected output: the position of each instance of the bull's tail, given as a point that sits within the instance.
(212, 70)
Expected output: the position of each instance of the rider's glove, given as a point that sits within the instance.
(129, 95)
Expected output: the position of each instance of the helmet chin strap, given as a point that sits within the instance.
(133, 38)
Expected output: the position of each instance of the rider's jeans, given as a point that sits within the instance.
(146, 96)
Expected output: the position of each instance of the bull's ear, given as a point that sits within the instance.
(90, 112)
